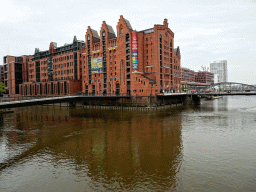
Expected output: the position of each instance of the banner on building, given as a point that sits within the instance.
(134, 52)
(96, 65)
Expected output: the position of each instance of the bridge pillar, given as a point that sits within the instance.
(196, 99)
(72, 104)
(185, 100)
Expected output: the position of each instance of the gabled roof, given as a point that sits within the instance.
(175, 50)
(128, 23)
(95, 34)
(110, 29)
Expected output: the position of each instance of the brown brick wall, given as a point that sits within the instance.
(158, 70)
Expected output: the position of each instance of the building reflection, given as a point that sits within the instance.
(123, 150)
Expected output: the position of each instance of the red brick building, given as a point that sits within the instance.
(204, 77)
(56, 71)
(133, 63)
(187, 75)
(130, 62)
(12, 73)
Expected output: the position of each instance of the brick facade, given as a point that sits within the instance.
(105, 64)
(158, 61)
(187, 75)
(204, 77)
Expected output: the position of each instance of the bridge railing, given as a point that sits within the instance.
(22, 98)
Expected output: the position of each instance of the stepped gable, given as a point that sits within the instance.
(177, 51)
(95, 38)
(111, 33)
(123, 21)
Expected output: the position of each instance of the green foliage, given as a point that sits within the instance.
(2, 90)
(184, 87)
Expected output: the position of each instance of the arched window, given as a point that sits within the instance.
(88, 37)
(121, 31)
(103, 33)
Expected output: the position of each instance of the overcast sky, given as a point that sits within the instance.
(205, 30)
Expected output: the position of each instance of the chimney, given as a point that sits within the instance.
(165, 23)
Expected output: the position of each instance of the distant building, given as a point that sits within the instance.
(12, 73)
(204, 77)
(220, 69)
(1, 73)
(187, 75)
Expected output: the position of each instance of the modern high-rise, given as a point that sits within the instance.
(219, 68)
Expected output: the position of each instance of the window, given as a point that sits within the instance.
(121, 31)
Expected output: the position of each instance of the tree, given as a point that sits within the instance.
(184, 87)
(2, 90)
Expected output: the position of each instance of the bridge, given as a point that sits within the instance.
(167, 98)
(222, 86)
(170, 98)
(52, 100)
(232, 86)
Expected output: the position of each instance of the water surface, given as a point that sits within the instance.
(210, 147)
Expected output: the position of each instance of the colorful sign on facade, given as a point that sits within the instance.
(96, 65)
(134, 51)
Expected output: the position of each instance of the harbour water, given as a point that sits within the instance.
(210, 147)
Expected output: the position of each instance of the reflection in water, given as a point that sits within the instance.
(108, 149)
(210, 147)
